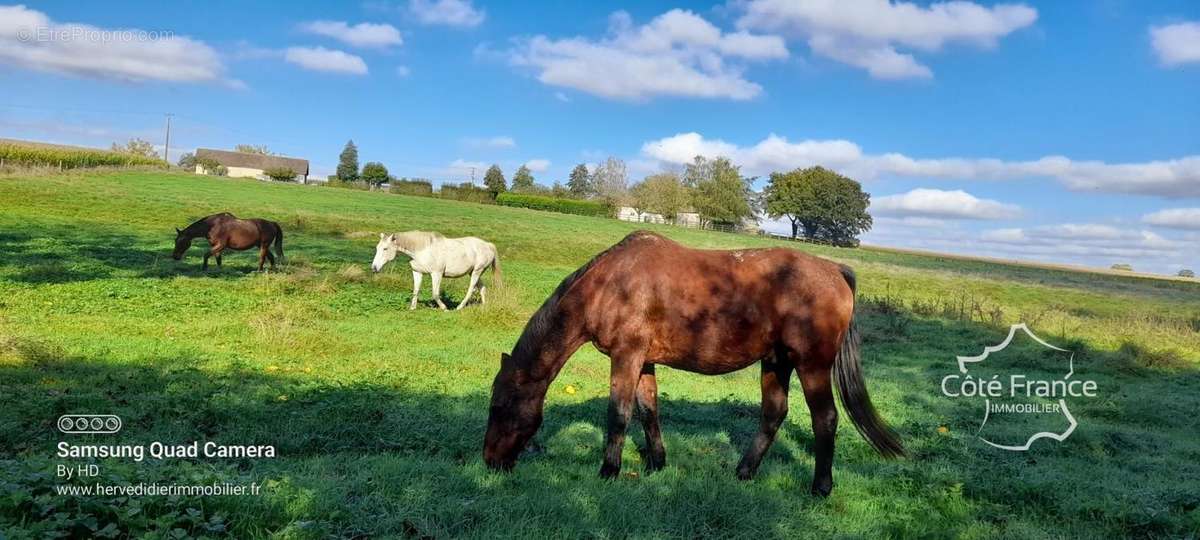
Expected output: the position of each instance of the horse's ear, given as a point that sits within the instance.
(381, 235)
(505, 358)
(392, 238)
(177, 231)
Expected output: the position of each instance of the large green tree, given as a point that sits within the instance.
(522, 179)
(137, 147)
(821, 203)
(720, 193)
(188, 162)
(374, 173)
(347, 169)
(494, 180)
(662, 194)
(610, 181)
(580, 182)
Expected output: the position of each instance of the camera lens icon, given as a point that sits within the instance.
(78, 424)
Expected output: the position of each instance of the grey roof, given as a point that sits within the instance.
(254, 161)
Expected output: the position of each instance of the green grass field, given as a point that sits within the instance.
(378, 412)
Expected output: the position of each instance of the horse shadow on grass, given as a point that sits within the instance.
(52, 255)
(381, 457)
(49, 254)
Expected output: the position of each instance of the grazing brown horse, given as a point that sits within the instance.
(225, 231)
(648, 301)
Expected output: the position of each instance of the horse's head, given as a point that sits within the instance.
(182, 243)
(515, 415)
(385, 251)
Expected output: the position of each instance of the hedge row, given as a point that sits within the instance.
(358, 184)
(467, 192)
(420, 188)
(552, 204)
(69, 158)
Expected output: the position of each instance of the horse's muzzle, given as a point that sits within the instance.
(375, 269)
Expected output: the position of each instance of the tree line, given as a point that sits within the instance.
(820, 204)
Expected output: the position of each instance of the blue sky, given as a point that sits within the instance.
(1051, 131)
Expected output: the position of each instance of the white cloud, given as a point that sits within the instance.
(1094, 245)
(1006, 236)
(463, 168)
(867, 33)
(1176, 44)
(459, 13)
(360, 35)
(935, 203)
(403, 71)
(911, 221)
(1167, 178)
(682, 148)
(677, 53)
(30, 40)
(562, 97)
(747, 45)
(538, 165)
(497, 142)
(1086, 240)
(1175, 218)
(322, 59)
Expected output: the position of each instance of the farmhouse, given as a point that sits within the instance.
(685, 219)
(688, 219)
(246, 165)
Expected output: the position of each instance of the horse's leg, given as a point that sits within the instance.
(262, 256)
(270, 256)
(776, 375)
(470, 288)
(647, 407)
(623, 382)
(483, 294)
(819, 395)
(218, 261)
(437, 289)
(214, 251)
(416, 290)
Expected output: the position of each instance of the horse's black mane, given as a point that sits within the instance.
(201, 226)
(543, 319)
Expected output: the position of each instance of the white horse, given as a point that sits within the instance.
(438, 256)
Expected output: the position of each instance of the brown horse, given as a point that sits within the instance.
(225, 231)
(648, 300)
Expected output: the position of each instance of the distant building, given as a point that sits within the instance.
(246, 165)
(686, 219)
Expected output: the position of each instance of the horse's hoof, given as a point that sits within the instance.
(609, 471)
(822, 489)
(745, 474)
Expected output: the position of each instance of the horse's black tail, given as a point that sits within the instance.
(279, 242)
(852, 390)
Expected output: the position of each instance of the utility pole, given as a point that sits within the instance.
(472, 176)
(167, 146)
